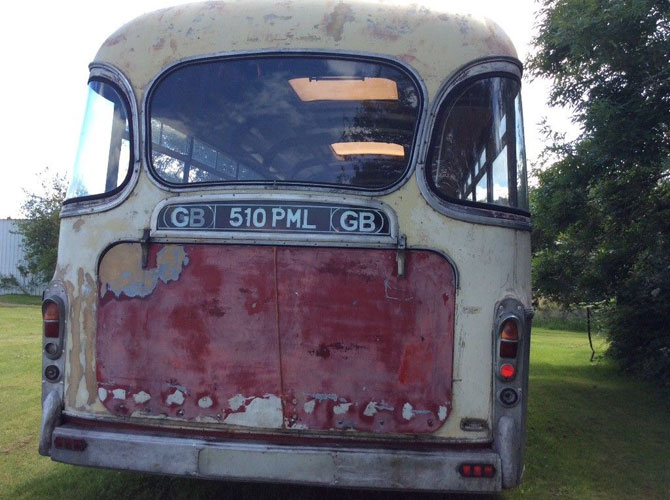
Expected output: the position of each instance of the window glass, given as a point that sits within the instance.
(103, 158)
(477, 151)
(284, 119)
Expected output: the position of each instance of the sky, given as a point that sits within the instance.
(46, 47)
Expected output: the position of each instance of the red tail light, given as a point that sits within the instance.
(51, 319)
(477, 470)
(65, 443)
(507, 371)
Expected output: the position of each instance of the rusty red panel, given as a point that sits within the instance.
(269, 337)
(362, 348)
(209, 334)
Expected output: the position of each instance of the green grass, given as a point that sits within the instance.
(592, 433)
(20, 299)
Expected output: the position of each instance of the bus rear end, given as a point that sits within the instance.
(296, 248)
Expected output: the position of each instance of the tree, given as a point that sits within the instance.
(41, 227)
(602, 210)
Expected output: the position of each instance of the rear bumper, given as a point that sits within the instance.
(433, 470)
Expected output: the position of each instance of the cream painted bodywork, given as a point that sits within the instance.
(492, 262)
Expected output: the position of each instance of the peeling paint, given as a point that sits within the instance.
(176, 398)
(373, 407)
(119, 393)
(309, 406)
(297, 426)
(102, 394)
(141, 397)
(323, 397)
(260, 412)
(442, 413)
(335, 21)
(121, 270)
(205, 402)
(236, 402)
(342, 408)
(407, 412)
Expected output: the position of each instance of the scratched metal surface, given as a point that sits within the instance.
(267, 337)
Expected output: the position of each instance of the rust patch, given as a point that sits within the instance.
(324, 349)
(388, 32)
(173, 45)
(115, 40)
(159, 44)
(334, 22)
(271, 18)
(77, 225)
(74, 365)
(89, 341)
(496, 41)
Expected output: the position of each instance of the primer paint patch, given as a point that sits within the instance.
(121, 270)
(102, 394)
(141, 397)
(373, 407)
(309, 406)
(341, 409)
(263, 411)
(176, 398)
(205, 402)
(236, 402)
(119, 393)
(407, 412)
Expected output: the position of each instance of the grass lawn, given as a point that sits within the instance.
(591, 433)
(20, 299)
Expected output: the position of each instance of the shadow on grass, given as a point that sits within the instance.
(598, 432)
(84, 483)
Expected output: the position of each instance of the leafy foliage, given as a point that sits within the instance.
(41, 227)
(602, 211)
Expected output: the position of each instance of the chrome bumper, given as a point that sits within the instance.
(325, 466)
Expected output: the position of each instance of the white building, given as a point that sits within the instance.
(11, 255)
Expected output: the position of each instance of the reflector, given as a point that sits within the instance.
(507, 371)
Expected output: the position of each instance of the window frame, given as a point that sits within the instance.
(451, 89)
(100, 202)
(402, 66)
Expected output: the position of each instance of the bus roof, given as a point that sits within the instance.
(434, 42)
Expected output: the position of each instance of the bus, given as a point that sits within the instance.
(296, 248)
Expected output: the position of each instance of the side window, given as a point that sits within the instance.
(476, 156)
(103, 160)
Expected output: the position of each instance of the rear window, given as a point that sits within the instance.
(313, 120)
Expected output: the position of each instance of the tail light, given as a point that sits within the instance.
(66, 443)
(508, 348)
(507, 371)
(477, 470)
(51, 319)
(509, 339)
